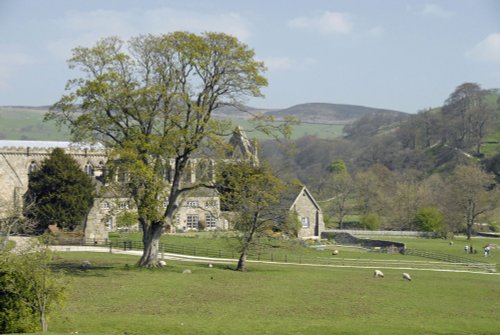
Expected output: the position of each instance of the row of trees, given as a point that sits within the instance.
(410, 200)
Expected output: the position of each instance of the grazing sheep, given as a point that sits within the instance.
(186, 271)
(406, 276)
(86, 265)
(378, 274)
(210, 265)
(335, 252)
(162, 263)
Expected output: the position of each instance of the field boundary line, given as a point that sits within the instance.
(187, 258)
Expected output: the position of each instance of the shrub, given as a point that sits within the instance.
(371, 221)
(429, 219)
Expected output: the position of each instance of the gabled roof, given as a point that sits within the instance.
(292, 195)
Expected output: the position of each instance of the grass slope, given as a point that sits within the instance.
(27, 124)
(113, 298)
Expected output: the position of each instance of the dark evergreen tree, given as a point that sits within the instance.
(60, 192)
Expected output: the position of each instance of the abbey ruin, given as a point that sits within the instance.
(198, 210)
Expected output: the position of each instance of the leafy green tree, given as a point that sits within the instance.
(291, 225)
(29, 289)
(60, 192)
(342, 190)
(337, 167)
(371, 221)
(126, 220)
(470, 194)
(152, 104)
(253, 193)
(429, 219)
(466, 116)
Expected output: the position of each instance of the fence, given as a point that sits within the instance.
(445, 262)
(451, 259)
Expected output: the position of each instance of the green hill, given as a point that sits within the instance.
(317, 119)
(26, 123)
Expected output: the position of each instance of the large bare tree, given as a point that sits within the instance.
(471, 193)
(150, 101)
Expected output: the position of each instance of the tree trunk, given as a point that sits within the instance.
(43, 322)
(151, 240)
(242, 262)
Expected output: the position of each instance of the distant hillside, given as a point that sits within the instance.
(321, 113)
(330, 113)
(26, 123)
(323, 120)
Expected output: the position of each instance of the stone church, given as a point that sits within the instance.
(198, 210)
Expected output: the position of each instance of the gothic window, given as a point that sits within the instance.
(33, 167)
(124, 205)
(89, 169)
(105, 205)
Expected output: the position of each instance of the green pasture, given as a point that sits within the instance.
(326, 131)
(198, 242)
(292, 251)
(455, 248)
(27, 124)
(113, 297)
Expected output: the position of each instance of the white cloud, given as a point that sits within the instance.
(9, 62)
(487, 50)
(287, 64)
(327, 22)
(436, 11)
(278, 63)
(84, 28)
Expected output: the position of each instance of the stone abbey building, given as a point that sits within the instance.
(198, 210)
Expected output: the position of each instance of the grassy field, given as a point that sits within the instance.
(27, 124)
(115, 298)
(279, 248)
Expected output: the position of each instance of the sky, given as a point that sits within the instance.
(394, 54)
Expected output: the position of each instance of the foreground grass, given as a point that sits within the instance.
(115, 298)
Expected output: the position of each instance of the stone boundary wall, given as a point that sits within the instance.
(383, 232)
(346, 238)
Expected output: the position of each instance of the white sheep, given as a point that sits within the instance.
(378, 273)
(210, 265)
(406, 276)
(86, 265)
(162, 263)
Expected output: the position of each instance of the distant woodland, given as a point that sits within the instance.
(443, 161)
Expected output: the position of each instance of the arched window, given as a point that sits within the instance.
(32, 167)
(89, 169)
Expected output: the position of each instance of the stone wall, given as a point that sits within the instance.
(16, 162)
